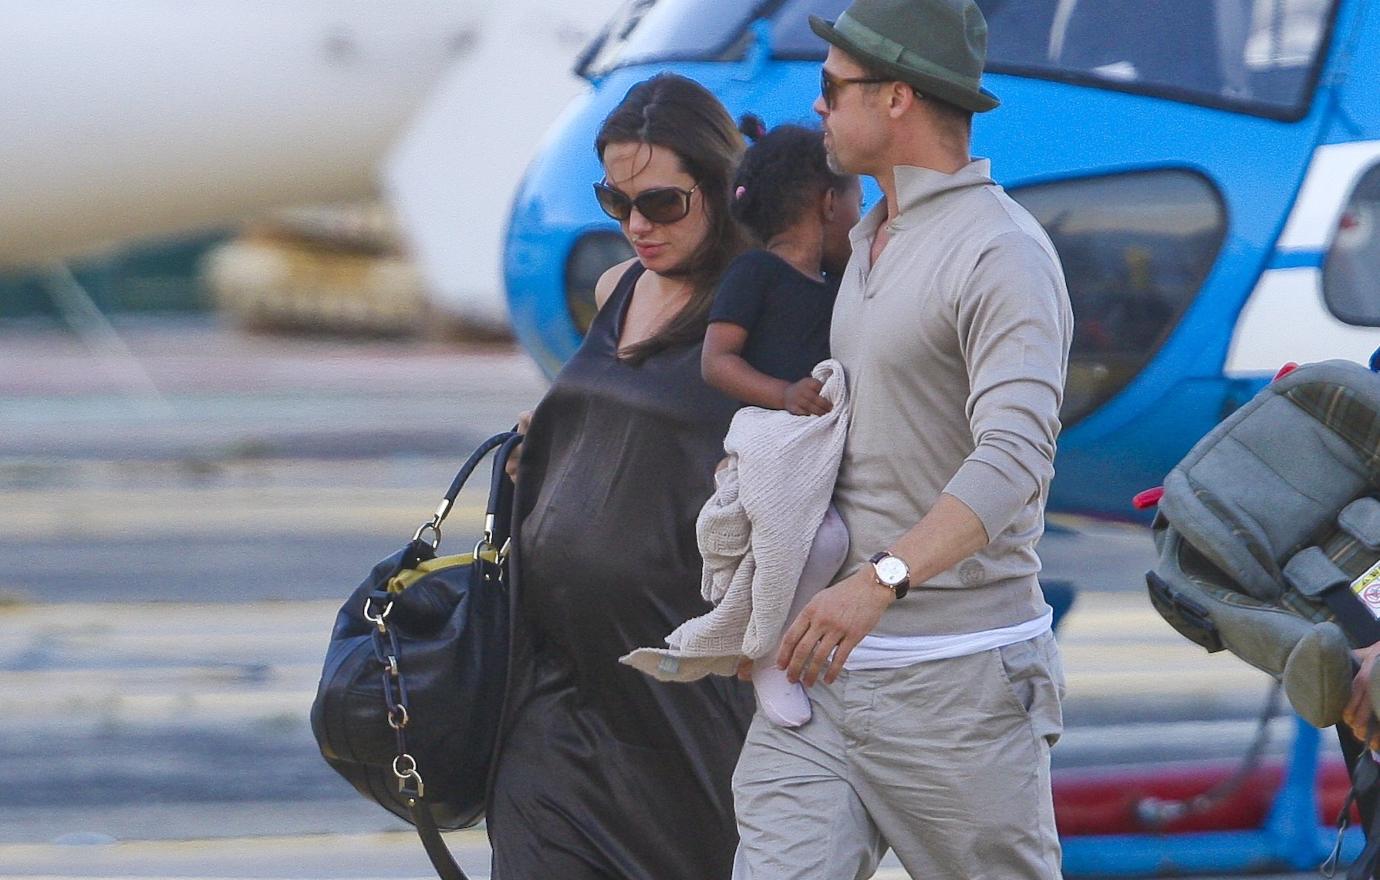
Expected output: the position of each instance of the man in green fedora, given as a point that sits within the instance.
(932, 671)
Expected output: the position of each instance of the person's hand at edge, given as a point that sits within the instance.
(1359, 714)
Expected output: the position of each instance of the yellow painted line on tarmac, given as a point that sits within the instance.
(79, 615)
(1109, 646)
(82, 875)
(312, 857)
(382, 839)
(150, 710)
(186, 512)
(209, 661)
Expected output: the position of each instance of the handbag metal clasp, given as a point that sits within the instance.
(376, 619)
(409, 773)
(435, 525)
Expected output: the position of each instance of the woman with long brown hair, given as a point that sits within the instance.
(605, 773)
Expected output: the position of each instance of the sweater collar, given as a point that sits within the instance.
(916, 187)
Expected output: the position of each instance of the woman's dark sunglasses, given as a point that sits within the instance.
(660, 204)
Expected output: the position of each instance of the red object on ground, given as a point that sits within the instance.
(1285, 370)
(1105, 800)
(1147, 499)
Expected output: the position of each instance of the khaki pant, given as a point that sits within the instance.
(945, 762)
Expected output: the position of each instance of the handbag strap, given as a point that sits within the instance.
(495, 530)
(505, 443)
(498, 511)
(436, 850)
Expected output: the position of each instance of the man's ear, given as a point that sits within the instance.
(900, 99)
(827, 205)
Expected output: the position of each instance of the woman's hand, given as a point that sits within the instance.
(803, 398)
(524, 422)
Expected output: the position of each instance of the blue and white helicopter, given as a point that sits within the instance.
(1208, 169)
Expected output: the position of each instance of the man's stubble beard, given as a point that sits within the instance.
(831, 159)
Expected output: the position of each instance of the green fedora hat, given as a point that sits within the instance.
(937, 46)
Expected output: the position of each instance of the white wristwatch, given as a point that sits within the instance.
(891, 572)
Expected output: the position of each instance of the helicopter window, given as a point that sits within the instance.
(1254, 55)
(593, 253)
(1351, 273)
(1135, 248)
(791, 36)
(647, 31)
(1234, 52)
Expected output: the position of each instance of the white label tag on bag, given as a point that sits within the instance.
(1367, 589)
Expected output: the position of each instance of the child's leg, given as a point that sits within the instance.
(827, 553)
(781, 701)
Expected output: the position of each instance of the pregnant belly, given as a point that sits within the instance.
(601, 575)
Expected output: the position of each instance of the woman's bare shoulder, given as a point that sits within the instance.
(603, 288)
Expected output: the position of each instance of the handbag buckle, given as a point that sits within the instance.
(435, 525)
(376, 619)
(409, 773)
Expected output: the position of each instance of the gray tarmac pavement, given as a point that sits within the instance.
(394, 855)
(195, 390)
(179, 519)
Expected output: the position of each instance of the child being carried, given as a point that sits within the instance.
(768, 346)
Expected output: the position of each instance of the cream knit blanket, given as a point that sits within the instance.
(755, 533)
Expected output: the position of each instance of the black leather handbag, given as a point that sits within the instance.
(409, 701)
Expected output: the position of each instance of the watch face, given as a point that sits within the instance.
(891, 571)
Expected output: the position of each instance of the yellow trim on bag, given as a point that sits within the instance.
(404, 579)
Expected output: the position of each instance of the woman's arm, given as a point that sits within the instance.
(723, 367)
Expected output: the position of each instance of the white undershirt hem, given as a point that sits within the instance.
(893, 652)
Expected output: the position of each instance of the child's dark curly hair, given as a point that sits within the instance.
(781, 175)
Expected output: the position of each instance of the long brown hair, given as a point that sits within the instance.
(680, 115)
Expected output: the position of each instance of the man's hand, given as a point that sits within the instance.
(835, 620)
(1359, 714)
(803, 398)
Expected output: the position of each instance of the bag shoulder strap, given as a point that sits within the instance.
(435, 847)
(507, 440)
(504, 443)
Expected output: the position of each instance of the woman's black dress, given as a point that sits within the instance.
(604, 772)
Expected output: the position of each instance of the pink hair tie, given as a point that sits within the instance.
(738, 193)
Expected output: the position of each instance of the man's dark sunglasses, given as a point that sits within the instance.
(829, 85)
(660, 204)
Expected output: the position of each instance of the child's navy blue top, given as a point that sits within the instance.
(786, 314)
